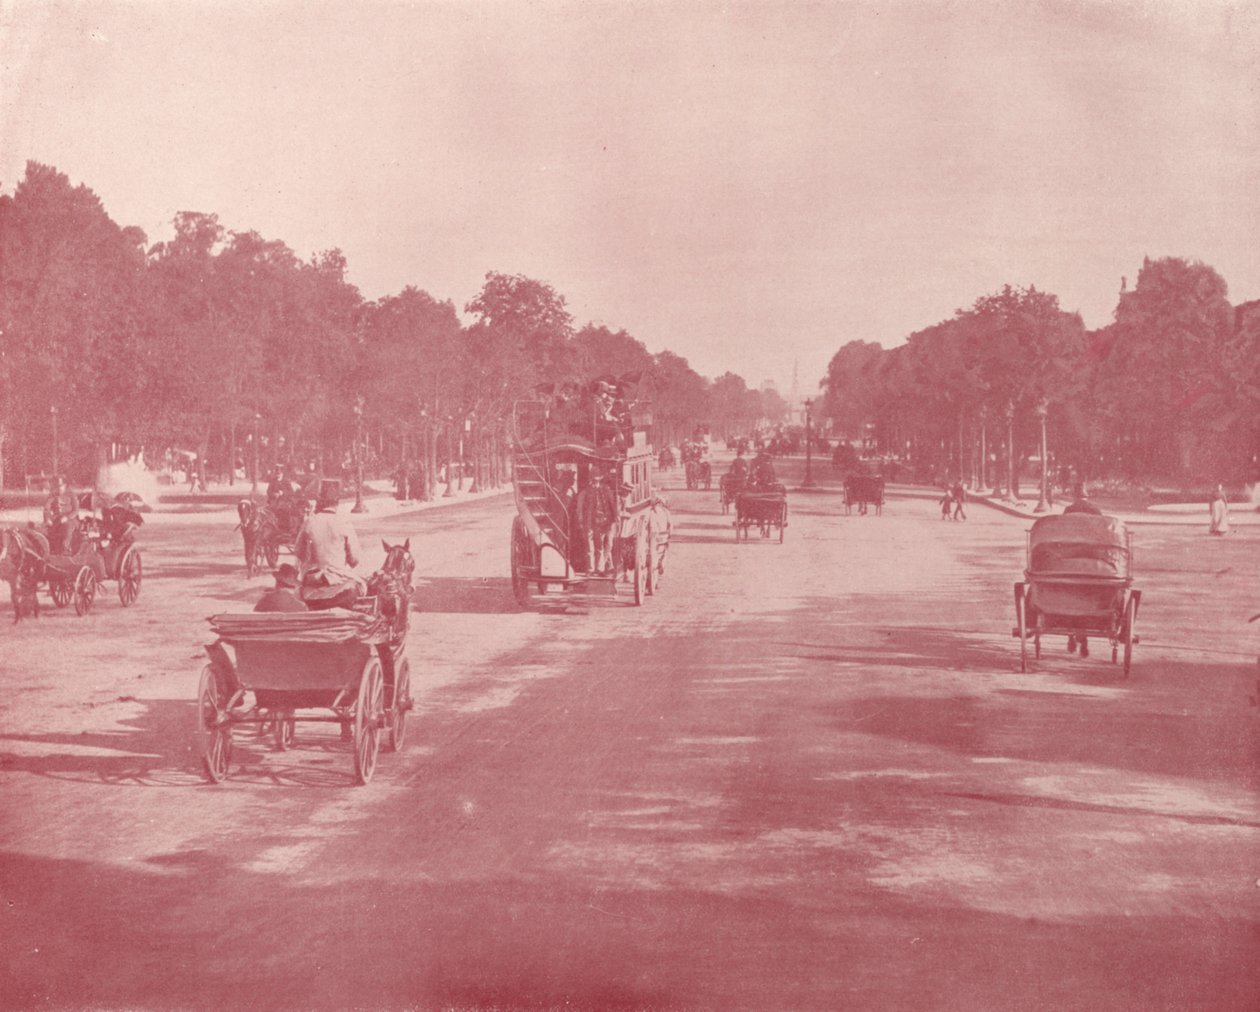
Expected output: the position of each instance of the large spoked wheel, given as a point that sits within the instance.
(84, 590)
(130, 574)
(61, 591)
(782, 523)
(1021, 624)
(271, 552)
(399, 707)
(214, 729)
(522, 557)
(369, 712)
(640, 567)
(284, 732)
(1127, 632)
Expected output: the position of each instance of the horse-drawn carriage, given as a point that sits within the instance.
(763, 507)
(346, 664)
(1078, 582)
(588, 517)
(268, 527)
(699, 474)
(864, 491)
(728, 487)
(100, 547)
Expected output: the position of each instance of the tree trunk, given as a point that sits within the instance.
(232, 455)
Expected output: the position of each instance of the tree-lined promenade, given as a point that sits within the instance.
(229, 345)
(1170, 390)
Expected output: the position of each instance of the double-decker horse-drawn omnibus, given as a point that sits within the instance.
(588, 517)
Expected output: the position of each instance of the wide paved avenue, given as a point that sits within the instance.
(807, 775)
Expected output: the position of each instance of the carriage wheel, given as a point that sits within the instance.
(1021, 625)
(1037, 645)
(271, 552)
(284, 730)
(399, 707)
(130, 573)
(1130, 620)
(369, 711)
(214, 730)
(640, 567)
(84, 590)
(782, 523)
(61, 591)
(520, 558)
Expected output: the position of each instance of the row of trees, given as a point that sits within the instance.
(230, 346)
(1169, 390)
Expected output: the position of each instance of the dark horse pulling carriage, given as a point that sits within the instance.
(699, 474)
(268, 527)
(103, 549)
(864, 491)
(554, 469)
(350, 663)
(1078, 582)
(763, 507)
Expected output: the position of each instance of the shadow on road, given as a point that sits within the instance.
(472, 595)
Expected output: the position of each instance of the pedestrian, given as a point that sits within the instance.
(947, 504)
(959, 495)
(1218, 510)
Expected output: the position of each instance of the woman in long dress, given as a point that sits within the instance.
(1219, 508)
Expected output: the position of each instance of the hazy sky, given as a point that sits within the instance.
(745, 184)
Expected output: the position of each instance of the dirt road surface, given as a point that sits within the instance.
(805, 776)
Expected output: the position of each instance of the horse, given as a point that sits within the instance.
(23, 568)
(391, 584)
(260, 532)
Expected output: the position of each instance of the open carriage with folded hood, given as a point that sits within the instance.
(268, 670)
(1078, 582)
(588, 517)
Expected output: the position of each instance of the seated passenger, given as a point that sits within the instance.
(284, 595)
(61, 519)
(762, 473)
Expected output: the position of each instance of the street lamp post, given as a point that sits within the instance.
(809, 448)
(450, 489)
(358, 457)
(254, 488)
(477, 461)
(53, 410)
(1042, 505)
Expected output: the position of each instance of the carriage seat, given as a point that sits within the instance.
(320, 595)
